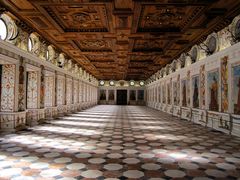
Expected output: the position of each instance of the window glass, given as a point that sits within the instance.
(30, 44)
(3, 30)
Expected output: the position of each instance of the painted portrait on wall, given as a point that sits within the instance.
(188, 85)
(132, 95)
(195, 92)
(102, 95)
(236, 89)
(184, 92)
(164, 93)
(159, 94)
(168, 94)
(111, 95)
(175, 93)
(213, 86)
(178, 90)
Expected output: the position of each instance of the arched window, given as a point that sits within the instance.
(47, 54)
(30, 44)
(3, 29)
(8, 28)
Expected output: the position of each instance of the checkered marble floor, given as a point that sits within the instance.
(119, 142)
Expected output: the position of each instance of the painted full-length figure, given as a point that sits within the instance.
(237, 106)
(195, 95)
(214, 95)
(184, 95)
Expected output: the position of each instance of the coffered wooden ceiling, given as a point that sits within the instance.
(124, 39)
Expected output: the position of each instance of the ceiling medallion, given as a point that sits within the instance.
(81, 17)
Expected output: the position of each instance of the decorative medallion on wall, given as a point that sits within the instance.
(212, 44)
(236, 29)
(195, 54)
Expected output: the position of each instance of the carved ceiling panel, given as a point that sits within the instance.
(88, 45)
(166, 18)
(79, 18)
(123, 39)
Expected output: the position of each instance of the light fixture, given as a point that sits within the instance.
(111, 83)
(141, 83)
(101, 82)
(132, 83)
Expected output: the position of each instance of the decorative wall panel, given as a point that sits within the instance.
(49, 91)
(8, 85)
(69, 91)
(178, 90)
(80, 91)
(60, 90)
(164, 93)
(75, 91)
(202, 87)
(159, 94)
(224, 84)
(32, 90)
(175, 90)
(42, 87)
(141, 95)
(132, 95)
(188, 88)
(236, 89)
(102, 95)
(184, 92)
(111, 95)
(21, 88)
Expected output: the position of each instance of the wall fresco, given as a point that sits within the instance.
(8, 85)
(49, 91)
(224, 84)
(236, 89)
(32, 90)
(213, 86)
(195, 92)
(202, 87)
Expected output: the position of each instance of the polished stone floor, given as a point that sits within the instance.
(119, 142)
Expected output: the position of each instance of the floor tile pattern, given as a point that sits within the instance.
(119, 142)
